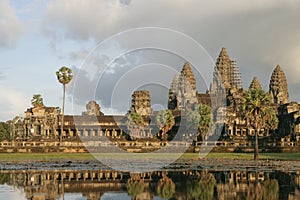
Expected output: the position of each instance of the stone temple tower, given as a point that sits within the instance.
(141, 102)
(278, 88)
(226, 73)
(223, 65)
(182, 94)
(255, 84)
(173, 93)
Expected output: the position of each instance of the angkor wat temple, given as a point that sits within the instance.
(41, 125)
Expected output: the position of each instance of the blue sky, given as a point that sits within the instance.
(37, 37)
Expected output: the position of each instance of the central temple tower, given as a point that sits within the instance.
(226, 74)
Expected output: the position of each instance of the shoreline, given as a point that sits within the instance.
(214, 162)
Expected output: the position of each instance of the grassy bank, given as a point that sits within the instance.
(27, 157)
(20, 157)
(249, 156)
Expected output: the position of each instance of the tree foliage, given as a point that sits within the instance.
(4, 131)
(64, 75)
(135, 124)
(165, 121)
(37, 100)
(199, 120)
(258, 113)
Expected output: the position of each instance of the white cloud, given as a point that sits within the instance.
(80, 20)
(12, 103)
(10, 27)
(84, 19)
(259, 34)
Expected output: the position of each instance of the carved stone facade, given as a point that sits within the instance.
(39, 121)
(278, 87)
(183, 94)
(141, 102)
(289, 121)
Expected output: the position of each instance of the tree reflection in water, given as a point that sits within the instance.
(165, 187)
(201, 186)
(271, 190)
(135, 187)
(189, 185)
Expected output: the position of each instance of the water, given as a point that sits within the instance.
(180, 184)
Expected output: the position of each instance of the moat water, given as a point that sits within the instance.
(169, 184)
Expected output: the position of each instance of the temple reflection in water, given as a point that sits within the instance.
(84, 184)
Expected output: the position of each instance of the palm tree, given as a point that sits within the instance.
(135, 123)
(165, 121)
(200, 119)
(258, 113)
(37, 100)
(64, 76)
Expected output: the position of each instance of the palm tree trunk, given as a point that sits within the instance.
(256, 145)
(163, 136)
(63, 113)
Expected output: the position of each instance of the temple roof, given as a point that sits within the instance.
(255, 84)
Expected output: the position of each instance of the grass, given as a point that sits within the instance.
(27, 157)
(18, 157)
(249, 156)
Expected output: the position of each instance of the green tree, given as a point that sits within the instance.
(64, 76)
(4, 131)
(258, 113)
(135, 124)
(165, 188)
(135, 188)
(165, 121)
(271, 118)
(37, 100)
(200, 119)
(201, 187)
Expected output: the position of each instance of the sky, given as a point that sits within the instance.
(117, 46)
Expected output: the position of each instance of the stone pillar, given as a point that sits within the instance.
(85, 133)
(93, 134)
(100, 133)
(114, 133)
(70, 132)
(107, 133)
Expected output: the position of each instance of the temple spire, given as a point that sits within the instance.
(188, 74)
(228, 71)
(255, 84)
(278, 87)
(182, 94)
